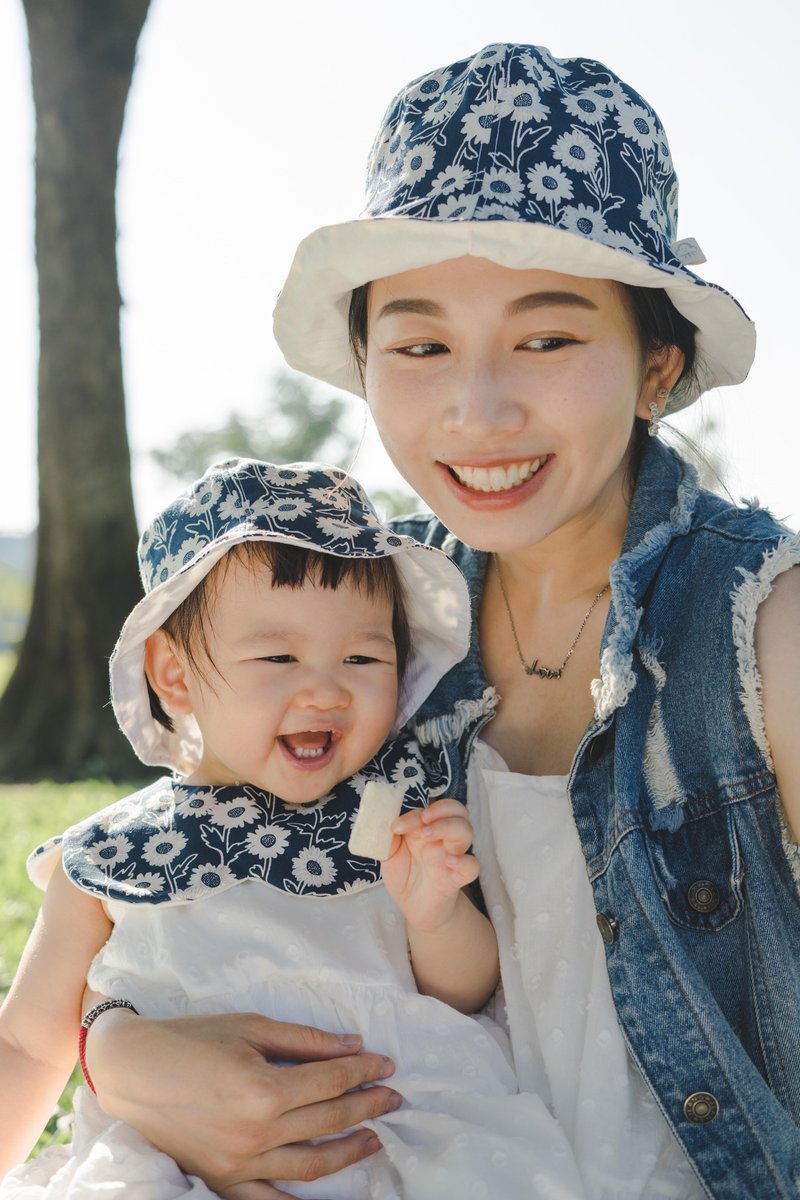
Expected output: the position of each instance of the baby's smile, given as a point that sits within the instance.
(309, 746)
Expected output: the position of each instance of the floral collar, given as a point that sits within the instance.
(172, 843)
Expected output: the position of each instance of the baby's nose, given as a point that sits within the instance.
(323, 691)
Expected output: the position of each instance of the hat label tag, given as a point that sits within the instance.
(689, 252)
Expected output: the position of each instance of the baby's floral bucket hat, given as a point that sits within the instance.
(529, 161)
(310, 505)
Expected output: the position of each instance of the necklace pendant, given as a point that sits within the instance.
(534, 668)
(549, 673)
(542, 672)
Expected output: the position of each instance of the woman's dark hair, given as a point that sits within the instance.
(659, 325)
(357, 326)
(656, 319)
(292, 567)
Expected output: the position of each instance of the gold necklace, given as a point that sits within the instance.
(534, 668)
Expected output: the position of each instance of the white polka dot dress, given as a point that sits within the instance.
(567, 1045)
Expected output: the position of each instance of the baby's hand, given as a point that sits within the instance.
(429, 865)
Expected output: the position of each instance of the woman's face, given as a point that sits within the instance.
(506, 397)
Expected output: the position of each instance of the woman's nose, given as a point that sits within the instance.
(482, 404)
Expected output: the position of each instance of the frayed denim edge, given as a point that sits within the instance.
(450, 727)
(617, 678)
(745, 601)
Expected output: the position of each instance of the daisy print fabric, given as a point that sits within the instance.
(304, 503)
(514, 134)
(175, 843)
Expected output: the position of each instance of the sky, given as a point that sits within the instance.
(248, 125)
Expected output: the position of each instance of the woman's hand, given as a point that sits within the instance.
(429, 864)
(203, 1090)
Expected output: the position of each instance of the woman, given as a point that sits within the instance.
(519, 315)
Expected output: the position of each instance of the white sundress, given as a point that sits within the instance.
(337, 961)
(566, 1042)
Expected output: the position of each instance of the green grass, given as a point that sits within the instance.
(29, 814)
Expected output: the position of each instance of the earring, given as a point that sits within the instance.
(655, 413)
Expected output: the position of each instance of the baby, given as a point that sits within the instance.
(284, 640)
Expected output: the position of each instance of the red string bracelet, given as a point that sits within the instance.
(86, 1025)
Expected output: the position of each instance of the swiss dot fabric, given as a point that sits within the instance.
(565, 1039)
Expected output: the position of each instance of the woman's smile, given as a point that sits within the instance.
(498, 477)
(495, 489)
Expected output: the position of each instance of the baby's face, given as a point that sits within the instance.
(301, 690)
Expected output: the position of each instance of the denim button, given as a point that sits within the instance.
(609, 928)
(700, 1108)
(703, 896)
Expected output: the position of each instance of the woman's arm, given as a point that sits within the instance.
(453, 946)
(778, 656)
(203, 1089)
(40, 1018)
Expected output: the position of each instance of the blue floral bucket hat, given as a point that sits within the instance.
(531, 162)
(310, 505)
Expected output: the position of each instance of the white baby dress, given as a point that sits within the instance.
(216, 909)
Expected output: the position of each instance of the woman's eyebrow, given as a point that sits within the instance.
(423, 308)
(533, 300)
(548, 300)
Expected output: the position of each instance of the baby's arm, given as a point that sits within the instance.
(41, 1016)
(453, 946)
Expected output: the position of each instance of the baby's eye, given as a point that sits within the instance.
(421, 350)
(278, 658)
(360, 660)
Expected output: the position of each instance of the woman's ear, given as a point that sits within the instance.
(662, 373)
(166, 673)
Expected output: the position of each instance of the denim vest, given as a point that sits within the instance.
(696, 885)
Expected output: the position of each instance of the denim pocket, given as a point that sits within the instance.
(700, 872)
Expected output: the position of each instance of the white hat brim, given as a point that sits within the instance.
(437, 607)
(311, 314)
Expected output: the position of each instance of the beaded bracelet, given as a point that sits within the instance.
(86, 1025)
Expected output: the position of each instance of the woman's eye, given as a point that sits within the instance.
(543, 344)
(422, 350)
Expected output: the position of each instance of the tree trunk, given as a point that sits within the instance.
(54, 715)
